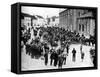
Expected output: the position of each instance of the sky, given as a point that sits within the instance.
(43, 11)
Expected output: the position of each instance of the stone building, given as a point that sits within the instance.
(85, 22)
(80, 20)
(67, 19)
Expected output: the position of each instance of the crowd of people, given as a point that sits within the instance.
(51, 40)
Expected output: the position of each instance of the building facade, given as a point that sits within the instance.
(27, 20)
(80, 20)
(85, 22)
(40, 22)
(53, 21)
(32, 20)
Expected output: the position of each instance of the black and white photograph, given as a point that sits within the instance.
(57, 38)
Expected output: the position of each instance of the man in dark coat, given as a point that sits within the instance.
(67, 47)
(51, 56)
(82, 56)
(60, 59)
(74, 54)
(55, 58)
(46, 55)
(60, 62)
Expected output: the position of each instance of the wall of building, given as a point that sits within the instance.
(53, 21)
(86, 24)
(77, 20)
(68, 19)
(26, 22)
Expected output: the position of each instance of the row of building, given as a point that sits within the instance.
(80, 20)
(38, 21)
(32, 20)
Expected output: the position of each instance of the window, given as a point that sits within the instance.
(78, 13)
(82, 27)
(79, 27)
